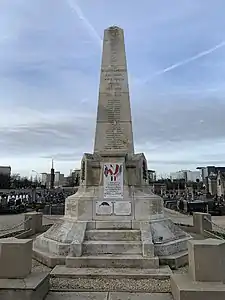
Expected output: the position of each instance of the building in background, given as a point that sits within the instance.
(5, 170)
(73, 179)
(206, 171)
(186, 175)
(5, 174)
(59, 179)
(209, 175)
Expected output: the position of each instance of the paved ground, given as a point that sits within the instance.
(107, 296)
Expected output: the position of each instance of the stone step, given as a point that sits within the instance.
(119, 225)
(113, 235)
(112, 247)
(176, 260)
(171, 247)
(65, 272)
(113, 261)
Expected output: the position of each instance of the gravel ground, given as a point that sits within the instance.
(102, 284)
(38, 267)
(182, 270)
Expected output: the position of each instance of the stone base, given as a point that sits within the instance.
(34, 287)
(138, 203)
(64, 272)
(48, 259)
(183, 288)
(175, 261)
(81, 242)
(113, 261)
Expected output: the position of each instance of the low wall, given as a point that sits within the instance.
(32, 225)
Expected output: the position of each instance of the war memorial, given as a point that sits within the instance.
(114, 226)
(114, 219)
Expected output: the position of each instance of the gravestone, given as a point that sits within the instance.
(114, 188)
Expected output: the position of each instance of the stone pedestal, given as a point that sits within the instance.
(207, 260)
(206, 276)
(17, 281)
(15, 257)
(202, 222)
(33, 221)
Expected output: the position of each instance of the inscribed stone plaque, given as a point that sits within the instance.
(122, 208)
(104, 208)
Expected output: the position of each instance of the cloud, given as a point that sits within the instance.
(50, 56)
(90, 28)
(188, 60)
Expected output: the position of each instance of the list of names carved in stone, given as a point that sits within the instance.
(114, 77)
(115, 137)
(113, 110)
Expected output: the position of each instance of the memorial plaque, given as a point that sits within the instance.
(104, 208)
(113, 180)
(122, 208)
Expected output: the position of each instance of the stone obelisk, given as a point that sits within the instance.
(114, 133)
(113, 192)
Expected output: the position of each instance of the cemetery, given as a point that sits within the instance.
(115, 240)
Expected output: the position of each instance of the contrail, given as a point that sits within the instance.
(188, 60)
(90, 28)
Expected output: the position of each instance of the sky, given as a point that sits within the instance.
(50, 55)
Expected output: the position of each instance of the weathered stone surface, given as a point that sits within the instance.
(33, 221)
(146, 238)
(113, 261)
(201, 222)
(114, 126)
(34, 287)
(15, 257)
(176, 260)
(77, 296)
(111, 247)
(137, 296)
(63, 238)
(183, 288)
(157, 273)
(207, 260)
(113, 235)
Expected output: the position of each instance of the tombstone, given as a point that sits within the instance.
(114, 191)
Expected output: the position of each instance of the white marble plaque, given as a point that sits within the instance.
(122, 208)
(113, 180)
(104, 208)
